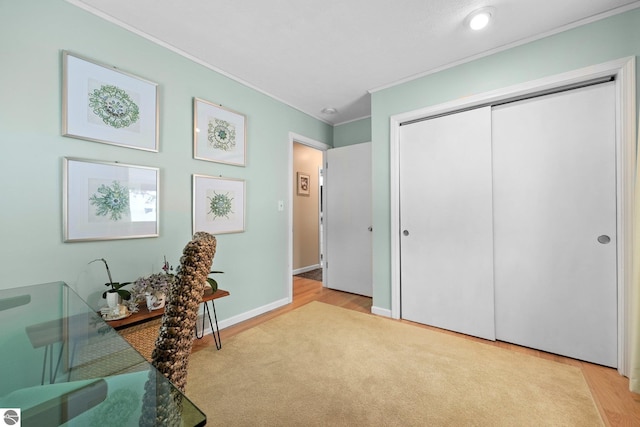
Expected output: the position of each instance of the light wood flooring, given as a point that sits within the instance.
(617, 405)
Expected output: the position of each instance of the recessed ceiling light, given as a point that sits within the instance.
(329, 110)
(479, 19)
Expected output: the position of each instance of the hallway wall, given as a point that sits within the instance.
(306, 236)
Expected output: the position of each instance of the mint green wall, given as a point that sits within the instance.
(33, 33)
(352, 133)
(608, 39)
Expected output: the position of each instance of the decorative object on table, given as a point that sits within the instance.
(106, 201)
(155, 301)
(114, 295)
(120, 311)
(304, 184)
(218, 204)
(153, 289)
(173, 346)
(219, 134)
(103, 104)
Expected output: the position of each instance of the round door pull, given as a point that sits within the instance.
(405, 232)
(604, 239)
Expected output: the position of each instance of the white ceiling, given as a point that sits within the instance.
(313, 54)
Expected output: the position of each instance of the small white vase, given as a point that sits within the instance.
(155, 301)
(113, 299)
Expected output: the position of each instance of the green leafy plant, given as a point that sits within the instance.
(212, 282)
(116, 287)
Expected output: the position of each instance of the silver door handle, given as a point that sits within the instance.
(405, 232)
(604, 239)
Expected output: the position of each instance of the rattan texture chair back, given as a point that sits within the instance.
(173, 346)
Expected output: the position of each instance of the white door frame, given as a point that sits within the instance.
(294, 137)
(623, 70)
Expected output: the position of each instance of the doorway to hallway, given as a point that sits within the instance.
(307, 208)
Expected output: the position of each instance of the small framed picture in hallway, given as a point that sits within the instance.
(304, 184)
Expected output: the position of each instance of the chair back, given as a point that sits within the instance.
(173, 345)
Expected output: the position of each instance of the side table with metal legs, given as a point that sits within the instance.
(215, 331)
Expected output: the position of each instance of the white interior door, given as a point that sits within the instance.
(555, 223)
(446, 222)
(348, 219)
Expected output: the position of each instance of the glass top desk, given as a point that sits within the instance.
(61, 364)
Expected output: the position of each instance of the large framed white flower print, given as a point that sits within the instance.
(218, 204)
(104, 104)
(106, 201)
(219, 134)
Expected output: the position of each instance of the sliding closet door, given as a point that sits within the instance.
(446, 222)
(555, 223)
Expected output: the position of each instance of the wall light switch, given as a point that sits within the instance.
(280, 205)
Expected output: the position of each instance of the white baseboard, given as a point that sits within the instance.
(305, 269)
(381, 311)
(225, 323)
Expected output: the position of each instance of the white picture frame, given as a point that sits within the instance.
(218, 204)
(108, 201)
(219, 134)
(103, 104)
(303, 184)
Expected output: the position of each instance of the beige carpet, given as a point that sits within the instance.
(324, 365)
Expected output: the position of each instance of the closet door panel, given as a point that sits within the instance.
(446, 223)
(555, 223)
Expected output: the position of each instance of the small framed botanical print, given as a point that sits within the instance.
(218, 204)
(219, 134)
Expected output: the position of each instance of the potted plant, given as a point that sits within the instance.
(213, 282)
(115, 293)
(154, 287)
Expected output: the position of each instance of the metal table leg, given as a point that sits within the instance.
(48, 349)
(215, 331)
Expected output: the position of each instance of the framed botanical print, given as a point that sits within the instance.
(104, 104)
(219, 134)
(218, 204)
(106, 201)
